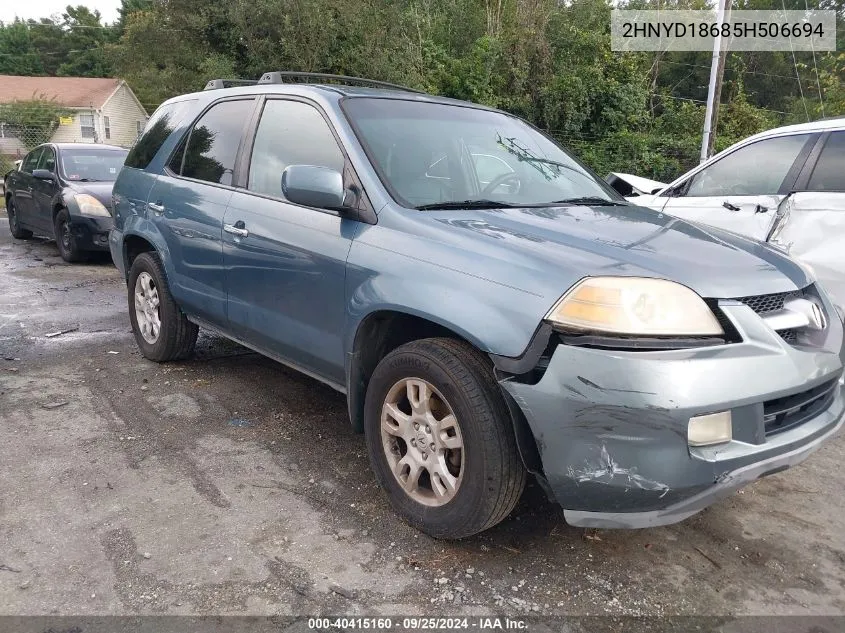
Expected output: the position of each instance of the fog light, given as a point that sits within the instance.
(713, 428)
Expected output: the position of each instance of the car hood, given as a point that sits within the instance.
(100, 190)
(545, 250)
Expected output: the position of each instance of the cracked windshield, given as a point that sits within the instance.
(433, 156)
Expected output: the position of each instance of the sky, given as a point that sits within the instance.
(35, 9)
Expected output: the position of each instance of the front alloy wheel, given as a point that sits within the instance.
(440, 438)
(147, 312)
(422, 441)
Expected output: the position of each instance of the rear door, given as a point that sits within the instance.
(813, 228)
(740, 191)
(188, 200)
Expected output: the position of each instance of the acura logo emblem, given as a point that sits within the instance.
(816, 317)
(812, 311)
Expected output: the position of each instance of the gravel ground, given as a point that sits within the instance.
(228, 484)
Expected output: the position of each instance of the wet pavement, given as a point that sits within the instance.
(230, 484)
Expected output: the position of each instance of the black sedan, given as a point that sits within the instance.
(63, 191)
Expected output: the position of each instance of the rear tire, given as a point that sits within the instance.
(468, 475)
(162, 331)
(65, 239)
(14, 225)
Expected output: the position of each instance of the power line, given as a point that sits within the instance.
(745, 72)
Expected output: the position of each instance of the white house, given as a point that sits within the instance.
(104, 110)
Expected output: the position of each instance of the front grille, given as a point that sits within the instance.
(766, 304)
(790, 335)
(763, 304)
(787, 412)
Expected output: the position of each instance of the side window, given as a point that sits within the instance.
(213, 143)
(488, 167)
(48, 160)
(175, 162)
(754, 170)
(164, 120)
(290, 133)
(439, 168)
(829, 172)
(31, 161)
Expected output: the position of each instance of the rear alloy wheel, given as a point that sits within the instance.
(162, 331)
(440, 438)
(65, 239)
(14, 225)
(147, 303)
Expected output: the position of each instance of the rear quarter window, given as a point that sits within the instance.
(160, 126)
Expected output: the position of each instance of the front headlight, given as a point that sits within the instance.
(90, 206)
(634, 306)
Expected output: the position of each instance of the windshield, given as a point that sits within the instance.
(430, 154)
(92, 165)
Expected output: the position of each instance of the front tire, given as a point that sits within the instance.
(440, 438)
(65, 240)
(162, 331)
(14, 223)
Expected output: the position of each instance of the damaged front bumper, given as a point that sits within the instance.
(91, 234)
(611, 426)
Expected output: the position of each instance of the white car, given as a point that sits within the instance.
(786, 186)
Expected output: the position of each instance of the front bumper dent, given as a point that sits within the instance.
(724, 487)
(91, 234)
(611, 426)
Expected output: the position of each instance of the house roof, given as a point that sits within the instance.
(71, 92)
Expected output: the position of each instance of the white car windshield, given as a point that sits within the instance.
(432, 155)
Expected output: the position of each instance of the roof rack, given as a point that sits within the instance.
(216, 84)
(278, 77)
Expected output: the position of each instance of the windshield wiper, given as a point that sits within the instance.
(465, 204)
(589, 201)
(87, 180)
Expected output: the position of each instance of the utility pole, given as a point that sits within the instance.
(720, 75)
(717, 70)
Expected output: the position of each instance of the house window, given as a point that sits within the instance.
(139, 126)
(106, 127)
(86, 122)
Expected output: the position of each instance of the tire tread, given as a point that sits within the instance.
(469, 369)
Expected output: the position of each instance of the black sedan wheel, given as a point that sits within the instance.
(65, 240)
(14, 225)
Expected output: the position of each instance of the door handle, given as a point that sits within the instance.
(158, 209)
(729, 206)
(238, 231)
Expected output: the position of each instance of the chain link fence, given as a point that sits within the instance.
(18, 139)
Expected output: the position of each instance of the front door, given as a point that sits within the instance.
(286, 273)
(741, 190)
(23, 194)
(187, 203)
(43, 191)
(813, 227)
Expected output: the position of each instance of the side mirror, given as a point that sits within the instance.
(313, 186)
(43, 174)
